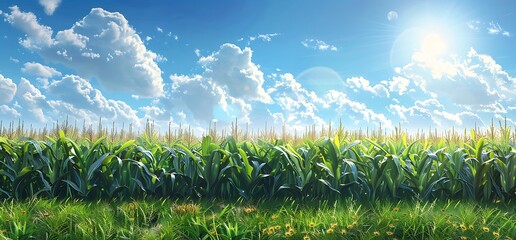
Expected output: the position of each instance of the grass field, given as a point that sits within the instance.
(167, 219)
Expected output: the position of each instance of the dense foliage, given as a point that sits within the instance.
(215, 219)
(324, 169)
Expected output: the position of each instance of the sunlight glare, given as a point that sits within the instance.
(433, 45)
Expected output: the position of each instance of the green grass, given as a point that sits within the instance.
(168, 219)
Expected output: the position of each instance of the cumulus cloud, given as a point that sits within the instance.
(50, 5)
(398, 84)
(360, 83)
(156, 113)
(101, 45)
(40, 70)
(345, 104)
(7, 112)
(300, 106)
(231, 87)
(232, 69)
(186, 95)
(214, 105)
(37, 35)
(431, 113)
(429, 103)
(7, 89)
(32, 101)
(318, 45)
(69, 96)
(79, 92)
(475, 81)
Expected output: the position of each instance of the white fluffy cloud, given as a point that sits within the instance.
(32, 101)
(345, 104)
(398, 84)
(469, 88)
(476, 81)
(50, 5)
(155, 113)
(187, 92)
(431, 113)
(318, 45)
(40, 70)
(37, 35)
(360, 83)
(7, 89)
(232, 69)
(300, 106)
(7, 112)
(79, 93)
(101, 45)
(215, 103)
(69, 96)
(223, 92)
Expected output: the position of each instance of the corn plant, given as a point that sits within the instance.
(328, 168)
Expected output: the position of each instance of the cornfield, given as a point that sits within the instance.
(326, 168)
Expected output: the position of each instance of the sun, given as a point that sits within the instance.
(427, 37)
(433, 44)
(421, 42)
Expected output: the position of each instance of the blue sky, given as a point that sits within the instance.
(438, 64)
